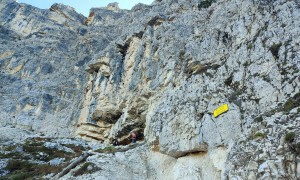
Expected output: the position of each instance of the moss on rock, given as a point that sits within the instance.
(108, 149)
(289, 137)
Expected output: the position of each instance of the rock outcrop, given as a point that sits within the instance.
(160, 70)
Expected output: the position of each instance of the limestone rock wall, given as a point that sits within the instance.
(139, 163)
(161, 70)
(42, 61)
(165, 78)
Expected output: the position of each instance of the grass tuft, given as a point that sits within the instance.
(108, 149)
(205, 4)
(289, 137)
(259, 135)
(275, 49)
(250, 46)
(22, 169)
(259, 119)
(292, 103)
(21, 164)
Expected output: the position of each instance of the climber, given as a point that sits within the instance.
(115, 142)
(133, 137)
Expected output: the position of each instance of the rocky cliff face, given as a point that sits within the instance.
(161, 70)
(43, 57)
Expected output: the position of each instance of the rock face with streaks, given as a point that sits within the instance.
(42, 58)
(160, 70)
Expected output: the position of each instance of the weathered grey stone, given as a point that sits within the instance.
(15, 134)
(3, 164)
(56, 161)
(49, 46)
(159, 70)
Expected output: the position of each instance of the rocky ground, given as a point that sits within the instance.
(46, 158)
(159, 70)
(38, 156)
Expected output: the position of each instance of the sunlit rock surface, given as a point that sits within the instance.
(159, 70)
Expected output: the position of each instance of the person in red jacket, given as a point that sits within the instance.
(133, 137)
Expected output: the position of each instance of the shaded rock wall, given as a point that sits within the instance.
(43, 54)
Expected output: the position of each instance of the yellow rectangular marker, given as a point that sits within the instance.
(220, 110)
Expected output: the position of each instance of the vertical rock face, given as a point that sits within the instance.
(43, 54)
(161, 71)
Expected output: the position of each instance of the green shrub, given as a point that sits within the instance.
(250, 46)
(108, 149)
(295, 71)
(298, 145)
(258, 119)
(10, 148)
(21, 176)
(205, 4)
(275, 49)
(289, 104)
(20, 169)
(35, 148)
(289, 137)
(14, 165)
(259, 135)
(292, 103)
(13, 155)
(246, 64)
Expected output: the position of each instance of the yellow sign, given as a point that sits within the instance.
(220, 110)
